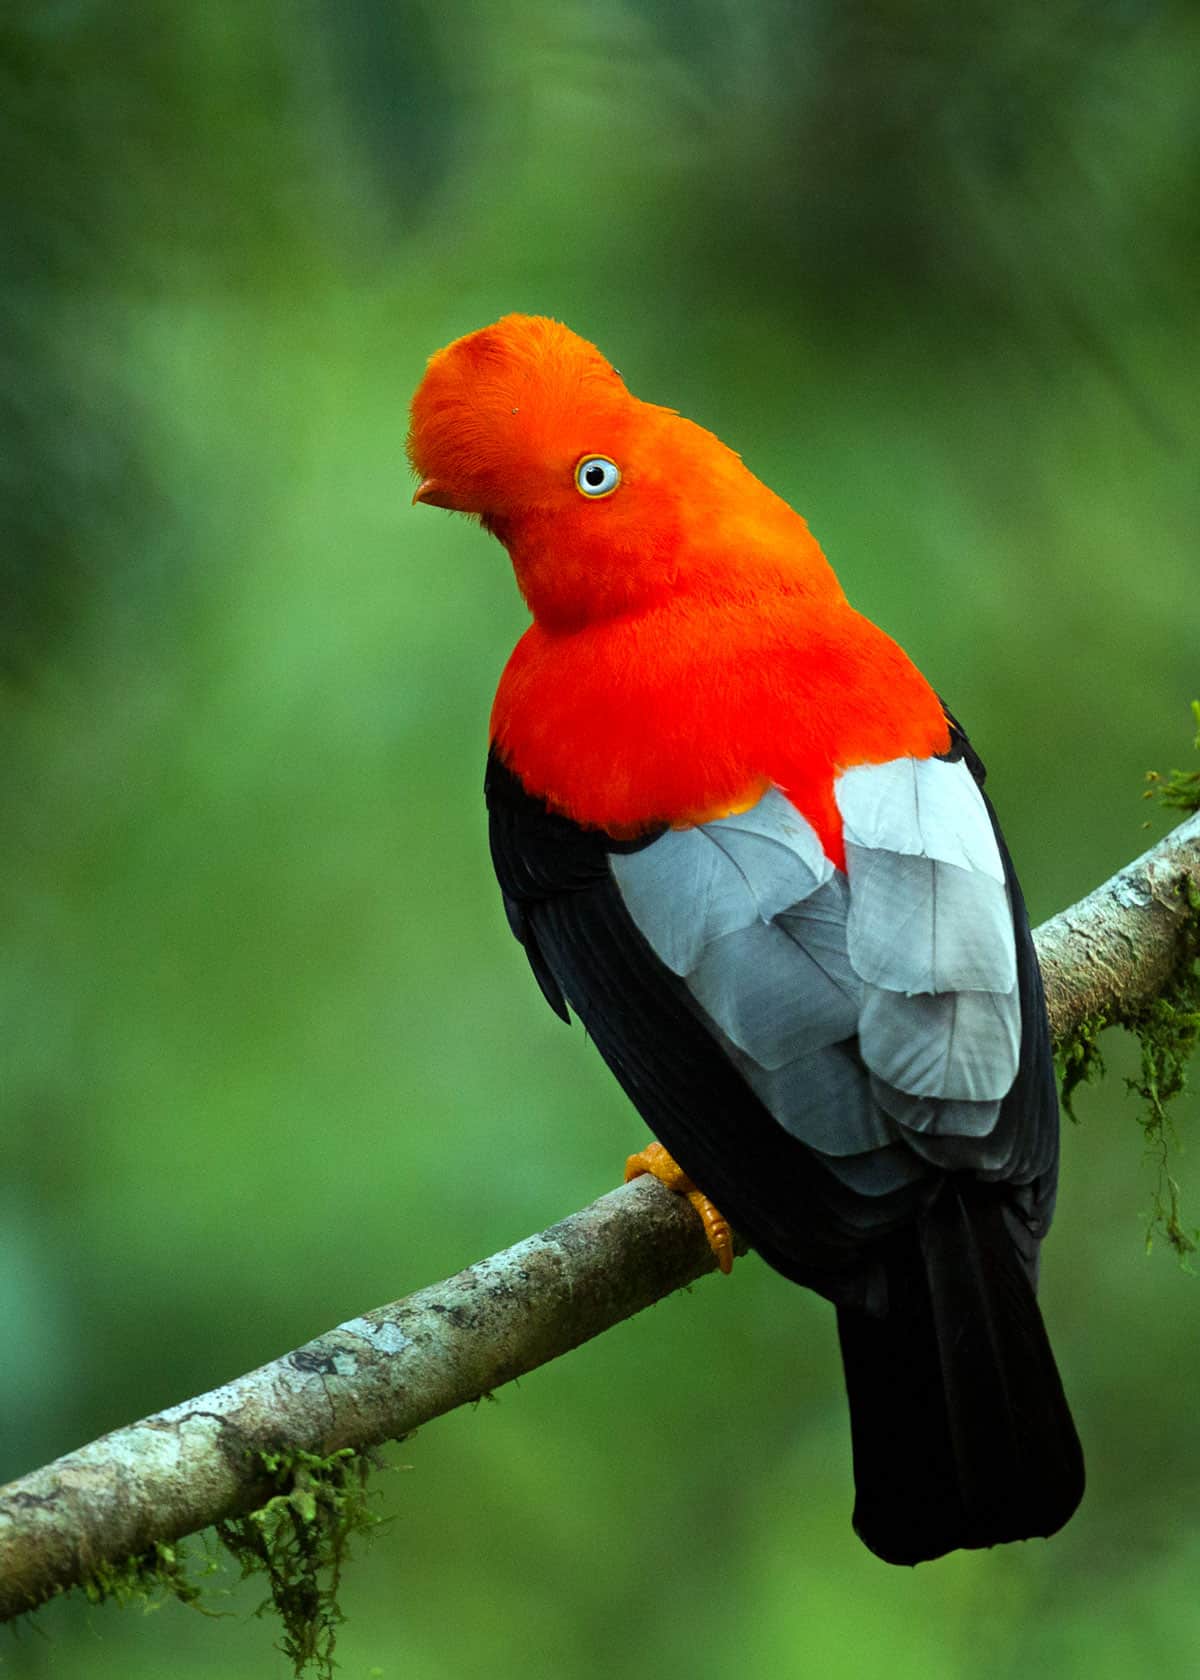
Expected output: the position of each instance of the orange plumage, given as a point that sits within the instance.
(690, 642)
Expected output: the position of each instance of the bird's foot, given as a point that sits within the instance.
(655, 1161)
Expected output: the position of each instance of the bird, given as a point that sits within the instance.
(741, 837)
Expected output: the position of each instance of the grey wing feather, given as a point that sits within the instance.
(933, 1117)
(924, 806)
(931, 932)
(961, 1045)
(754, 992)
(761, 947)
(697, 884)
(921, 925)
(875, 1012)
(825, 1099)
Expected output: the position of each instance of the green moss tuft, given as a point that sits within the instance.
(1179, 790)
(1081, 1060)
(149, 1580)
(300, 1540)
(1168, 1031)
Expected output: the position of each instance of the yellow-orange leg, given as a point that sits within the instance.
(655, 1161)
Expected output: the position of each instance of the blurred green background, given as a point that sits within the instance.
(270, 1056)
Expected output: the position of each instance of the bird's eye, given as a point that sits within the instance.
(596, 476)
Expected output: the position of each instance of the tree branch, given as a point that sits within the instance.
(379, 1376)
(1114, 951)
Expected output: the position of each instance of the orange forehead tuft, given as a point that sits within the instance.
(500, 407)
(523, 345)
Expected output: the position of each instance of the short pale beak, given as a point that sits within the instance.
(434, 493)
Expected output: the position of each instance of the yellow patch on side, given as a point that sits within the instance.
(734, 808)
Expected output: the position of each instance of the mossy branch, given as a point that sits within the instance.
(116, 1504)
(1119, 948)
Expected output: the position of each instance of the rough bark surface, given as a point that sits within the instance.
(1114, 951)
(379, 1376)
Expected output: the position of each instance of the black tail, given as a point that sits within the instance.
(962, 1434)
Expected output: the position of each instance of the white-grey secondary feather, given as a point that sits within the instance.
(874, 1012)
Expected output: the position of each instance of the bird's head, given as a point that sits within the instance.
(607, 504)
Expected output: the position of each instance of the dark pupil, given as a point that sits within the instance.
(594, 477)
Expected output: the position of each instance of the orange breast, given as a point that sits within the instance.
(691, 709)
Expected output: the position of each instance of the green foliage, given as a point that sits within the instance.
(300, 1539)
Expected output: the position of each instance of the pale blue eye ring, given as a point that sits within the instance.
(597, 476)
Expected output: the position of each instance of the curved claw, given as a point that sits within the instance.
(655, 1160)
